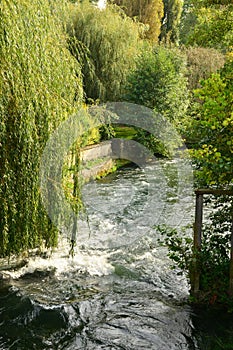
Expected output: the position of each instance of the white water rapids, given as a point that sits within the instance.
(118, 291)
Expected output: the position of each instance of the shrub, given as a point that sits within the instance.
(158, 82)
(201, 62)
(214, 256)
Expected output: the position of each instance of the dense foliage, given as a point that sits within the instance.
(213, 129)
(170, 31)
(158, 82)
(38, 84)
(105, 44)
(214, 28)
(148, 12)
(201, 63)
(208, 24)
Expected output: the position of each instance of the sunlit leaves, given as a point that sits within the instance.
(148, 12)
(214, 28)
(158, 82)
(214, 129)
(105, 43)
(39, 81)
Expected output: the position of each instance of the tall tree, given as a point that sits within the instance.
(105, 43)
(188, 20)
(208, 23)
(148, 12)
(38, 84)
(171, 21)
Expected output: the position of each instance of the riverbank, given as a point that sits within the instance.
(99, 160)
(96, 161)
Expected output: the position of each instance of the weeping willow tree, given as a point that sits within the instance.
(148, 12)
(105, 43)
(40, 86)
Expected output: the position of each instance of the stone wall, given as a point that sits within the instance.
(102, 169)
(101, 152)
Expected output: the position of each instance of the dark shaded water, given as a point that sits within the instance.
(118, 292)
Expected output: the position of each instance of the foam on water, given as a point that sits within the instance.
(95, 263)
(118, 291)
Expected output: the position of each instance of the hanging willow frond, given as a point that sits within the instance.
(105, 43)
(39, 80)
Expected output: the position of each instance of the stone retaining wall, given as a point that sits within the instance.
(108, 151)
(101, 150)
(98, 170)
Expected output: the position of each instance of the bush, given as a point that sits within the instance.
(201, 63)
(212, 128)
(158, 82)
(214, 256)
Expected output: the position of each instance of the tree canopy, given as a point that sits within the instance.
(171, 21)
(105, 44)
(159, 82)
(214, 28)
(148, 12)
(208, 23)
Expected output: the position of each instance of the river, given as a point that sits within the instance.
(118, 291)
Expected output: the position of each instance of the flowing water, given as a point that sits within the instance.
(118, 291)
